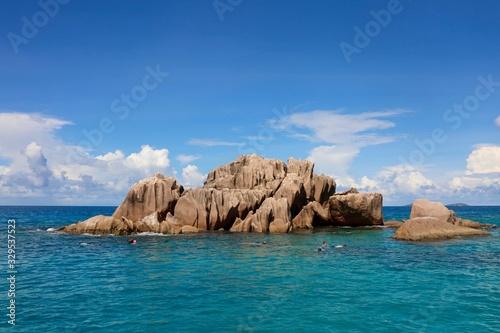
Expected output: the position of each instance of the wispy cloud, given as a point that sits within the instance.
(212, 143)
(336, 127)
(341, 135)
(186, 159)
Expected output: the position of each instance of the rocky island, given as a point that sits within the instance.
(256, 194)
(251, 194)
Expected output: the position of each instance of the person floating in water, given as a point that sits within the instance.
(323, 247)
(132, 241)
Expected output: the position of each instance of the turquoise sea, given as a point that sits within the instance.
(224, 282)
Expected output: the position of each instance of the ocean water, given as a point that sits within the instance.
(224, 282)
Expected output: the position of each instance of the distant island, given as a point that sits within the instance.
(458, 204)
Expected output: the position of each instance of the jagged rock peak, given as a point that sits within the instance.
(250, 172)
(154, 194)
(303, 168)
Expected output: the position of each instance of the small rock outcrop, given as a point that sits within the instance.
(100, 225)
(431, 228)
(433, 221)
(351, 208)
(393, 224)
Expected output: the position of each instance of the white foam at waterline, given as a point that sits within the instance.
(150, 233)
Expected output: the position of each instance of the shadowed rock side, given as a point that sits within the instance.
(273, 216)
(311, 216)
(433, 221)
(251, 194)
(351, 208)
(211, 209)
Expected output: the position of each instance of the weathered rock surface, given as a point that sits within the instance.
(472, 224)
(155, 194)
(153, 223)
(273, 215)
(187, 229)
(393, 224)
(427, 208)
(351, 208)
(317, 188)
(310, 216)
(324, 188)
(100, 225)
(292, 189)
(250, 172)
(211, 209)
(431, 228)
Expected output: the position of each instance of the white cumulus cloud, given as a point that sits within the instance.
(192, 177)
(40, 165)
(484, 159)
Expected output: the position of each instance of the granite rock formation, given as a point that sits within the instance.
(250, 194)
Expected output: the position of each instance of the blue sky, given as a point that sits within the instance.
(398, 97)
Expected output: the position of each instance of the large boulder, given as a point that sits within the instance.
(432, 228)
(427, 208)
(310, 216)
(211, 209)
(248, 172)
(155, 194)
(100, 225)
(352, 208)
(273, 215)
